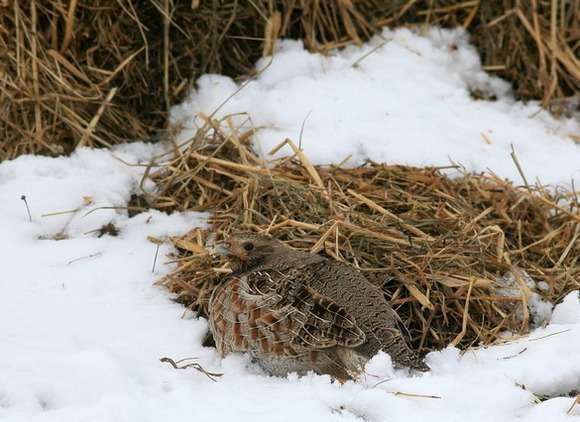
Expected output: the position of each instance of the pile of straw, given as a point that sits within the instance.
(436, 245)
(533, 44)
(101, 72)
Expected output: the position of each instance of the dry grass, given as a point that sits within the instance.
(100, 72)
(436, 245)
(534, 44)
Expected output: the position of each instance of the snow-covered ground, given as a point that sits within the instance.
(406, 102)
(82, 327)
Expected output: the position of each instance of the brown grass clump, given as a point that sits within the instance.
(102, 72)
(534, 44)
(97, 73)
(437, 246)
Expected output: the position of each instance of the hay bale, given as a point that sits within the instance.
(98, 72)
(439, 247)
(76, 73)
(534, 44)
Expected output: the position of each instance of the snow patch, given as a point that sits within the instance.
(408, 102)
(83, 328)
(567, 312)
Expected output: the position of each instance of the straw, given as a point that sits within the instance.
(437, 246)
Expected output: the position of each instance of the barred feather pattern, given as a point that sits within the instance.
(270, 312)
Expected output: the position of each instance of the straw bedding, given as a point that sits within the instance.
(438, 246)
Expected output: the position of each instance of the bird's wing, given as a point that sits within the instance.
(272, 312)
(327, 324)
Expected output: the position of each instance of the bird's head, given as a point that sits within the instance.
(246, 250)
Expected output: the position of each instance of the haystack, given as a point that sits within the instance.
(98, 73)
(461, 258)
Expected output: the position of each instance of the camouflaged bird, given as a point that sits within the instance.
(295, 312)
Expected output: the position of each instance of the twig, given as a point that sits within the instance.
(155, 259)
(422, 396)
(549, 335)
(69, 28)
(140, 209)
(382, 382)
(224, 102)
(368, 53)
(457, 339)
(53, 214)
(302, 130)
(518, 166)
(84, 257)
(514, 355)
(88, 132)
(23, 197)
(569, 247)
(211, 375)
(574, 403)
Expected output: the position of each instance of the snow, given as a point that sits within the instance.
(567, 312)
(540, 310)
(407, 102)
(82, 325)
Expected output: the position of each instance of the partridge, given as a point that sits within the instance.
(297, 312)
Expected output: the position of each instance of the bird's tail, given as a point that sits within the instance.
(401, 354)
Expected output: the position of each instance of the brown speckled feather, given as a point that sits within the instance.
(270, 312)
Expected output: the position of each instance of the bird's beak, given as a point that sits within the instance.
(223, 249)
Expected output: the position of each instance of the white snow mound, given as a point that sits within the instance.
(408, 102)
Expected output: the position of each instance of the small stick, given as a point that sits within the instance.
(69, 28)
(211, 375)
(242, 86)
(84, 257)
(302, 130)
(23, 197)
(550, 335)
(139, 209)
(155, 259)
(368, 53)
(513, 356)
(52, 214)
(382, 382)
(422, 396)
(518, 166)
(574, 403)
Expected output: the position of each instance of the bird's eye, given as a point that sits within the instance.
(248, 246)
